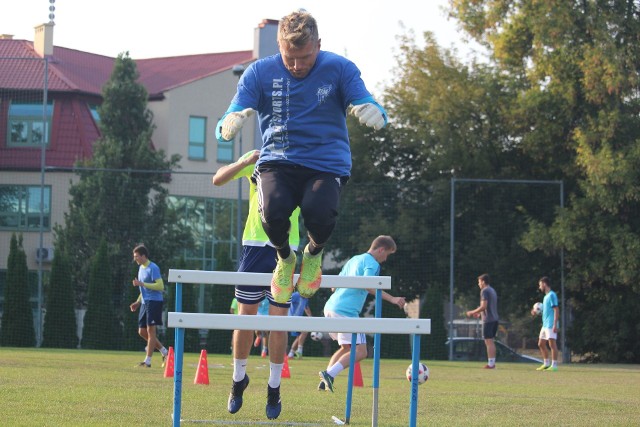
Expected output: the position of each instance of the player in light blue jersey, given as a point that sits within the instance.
(550, 323)
(150, 301)
(348, 302)
(301, 96)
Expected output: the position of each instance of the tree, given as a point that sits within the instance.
(101, 328)
(189, 305)
(120, 195)
(220, 299)
(448, 120)
(574, 68)
(130, 338)
(17, 317)
(60, 329)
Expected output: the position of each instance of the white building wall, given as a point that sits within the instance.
(208, 97)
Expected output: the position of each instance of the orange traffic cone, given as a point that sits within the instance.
(357, 375)
(168, 366)
(285, 369)
(202, 373)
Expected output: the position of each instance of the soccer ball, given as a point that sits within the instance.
(537, 308)
(423, 373)
(316, 336)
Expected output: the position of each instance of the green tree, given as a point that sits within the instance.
(448, 120)
(131, 340)
(60, 329)
(220, 299)
(101, 329)
(189, 305)
(120, 195)
(574, 66)
(17, 328)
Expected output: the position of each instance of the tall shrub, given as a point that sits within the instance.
(60, 328)
(100, 329)
(17, 317)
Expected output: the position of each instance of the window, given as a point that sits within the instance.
(212, 225)
(225, 152)
(197, 138)
(20, 207)
(26, 127)
(94, 112)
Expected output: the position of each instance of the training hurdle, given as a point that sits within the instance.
(181, 321)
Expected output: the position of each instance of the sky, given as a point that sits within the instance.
(364, 31)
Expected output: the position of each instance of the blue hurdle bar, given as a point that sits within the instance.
(177, 371)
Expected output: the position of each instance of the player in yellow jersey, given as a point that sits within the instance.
(258, 256)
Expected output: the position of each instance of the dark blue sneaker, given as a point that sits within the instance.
(274, 406)
(235, 397)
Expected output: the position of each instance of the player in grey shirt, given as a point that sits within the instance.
(488, 310)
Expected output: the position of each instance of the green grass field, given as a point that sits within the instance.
(44, 387)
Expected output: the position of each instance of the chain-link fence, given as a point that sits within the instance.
(56, 206)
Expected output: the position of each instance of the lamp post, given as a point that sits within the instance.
(237, 71)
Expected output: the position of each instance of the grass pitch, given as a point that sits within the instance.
(46, 387)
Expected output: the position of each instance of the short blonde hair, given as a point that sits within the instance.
(297, 29)
(386, 242)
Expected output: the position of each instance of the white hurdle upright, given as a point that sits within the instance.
(180, 321)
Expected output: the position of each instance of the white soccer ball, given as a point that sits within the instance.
(537, 308)
(317, 336)
(423, 373)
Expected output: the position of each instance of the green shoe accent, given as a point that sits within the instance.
(542, 367)
(551, 368)
(310, 274)
(282, 279)
(327, 380)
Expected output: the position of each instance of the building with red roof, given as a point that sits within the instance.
(187, 95)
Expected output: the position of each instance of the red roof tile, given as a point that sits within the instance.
(78, 77)
(76, 71)
(161, 74)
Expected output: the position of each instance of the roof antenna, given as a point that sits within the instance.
(52, 9)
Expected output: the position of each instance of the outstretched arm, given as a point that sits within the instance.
(399, 301)
(228, 172)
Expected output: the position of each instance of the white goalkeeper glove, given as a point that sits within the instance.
(233, 122)
(369, 115)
